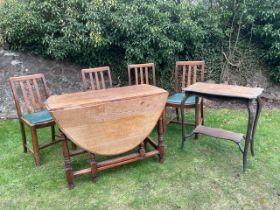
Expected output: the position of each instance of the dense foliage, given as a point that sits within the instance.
(117, 32)
(268, 33)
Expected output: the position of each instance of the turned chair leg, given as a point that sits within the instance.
(53, 133)
(23, 135)
(35, 144)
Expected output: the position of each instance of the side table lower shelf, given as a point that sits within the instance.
(222, 134)
(219, 133)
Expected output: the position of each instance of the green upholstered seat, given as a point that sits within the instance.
(38, 117)
(178, 97)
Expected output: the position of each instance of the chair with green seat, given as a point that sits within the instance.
(188, 72)
(31, 110)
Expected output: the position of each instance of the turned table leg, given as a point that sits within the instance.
(93, 164)
(67, 162)
(142, 149)
(160, 138)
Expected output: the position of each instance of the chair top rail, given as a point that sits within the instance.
(97, 69)
(141, 65)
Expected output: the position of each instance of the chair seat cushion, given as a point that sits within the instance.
(38, 117)
(178, 97)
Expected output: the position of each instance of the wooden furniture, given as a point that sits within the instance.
(141, 74)
(245, 95)
(97, 78)
(27, 92)
(188, 73)
(109, 122)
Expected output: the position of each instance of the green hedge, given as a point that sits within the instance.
(118, 32)
(114, 33)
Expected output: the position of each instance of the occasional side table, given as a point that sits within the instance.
(244, 95)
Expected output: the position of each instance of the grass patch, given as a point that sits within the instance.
(206, 174)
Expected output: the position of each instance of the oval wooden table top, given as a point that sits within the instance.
(110, 121)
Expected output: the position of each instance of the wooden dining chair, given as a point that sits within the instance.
(98, 78)
(188, 73)
(29, 102)
(142, 74)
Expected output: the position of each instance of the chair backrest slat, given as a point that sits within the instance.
(97, 81)
(142, 70)
(136, 75)
(189, 75)
(97, 78)
(24, 94)
(34, 104)
(28, 84)
(38, 94)
(102, 80)
(45, 86)
(184, 76)
(192, 76)
(110, 79)
(147, 75)
(141, 75)
(91, 80)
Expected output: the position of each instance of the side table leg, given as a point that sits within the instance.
(67, 162)
(258, 111)
(197, 115)
(202, 112)
(160, 138)
(249, 133)
(183, 119)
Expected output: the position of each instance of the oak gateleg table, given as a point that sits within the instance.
(244, 95)
(109, 122)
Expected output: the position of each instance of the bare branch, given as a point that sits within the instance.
(230, 63)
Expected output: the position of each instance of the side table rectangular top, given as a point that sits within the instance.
(224, 90)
